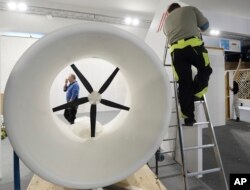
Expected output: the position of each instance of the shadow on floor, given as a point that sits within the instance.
(234, 144)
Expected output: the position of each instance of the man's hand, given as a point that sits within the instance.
(66, 81)
(65, 85)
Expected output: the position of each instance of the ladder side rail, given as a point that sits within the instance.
(180, 130)
(180, 133)
(214, 141)
(174, 97)
(165, 53)
(157, 155)
(158, 152)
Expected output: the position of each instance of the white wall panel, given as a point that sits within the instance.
(11, 50)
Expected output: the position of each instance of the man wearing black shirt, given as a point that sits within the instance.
(235, 90)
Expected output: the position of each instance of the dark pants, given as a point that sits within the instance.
(70, 114)
(183, 59)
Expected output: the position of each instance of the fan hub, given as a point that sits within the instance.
(94, 97)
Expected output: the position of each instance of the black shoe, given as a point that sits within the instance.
(197, 99)
(238, 119)
(189, 122)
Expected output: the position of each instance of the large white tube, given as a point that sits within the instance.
(125, 144)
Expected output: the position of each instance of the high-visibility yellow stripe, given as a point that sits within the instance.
(201, 93)
(184, 43)
(206, 58)
(184, 116)
(176, 77)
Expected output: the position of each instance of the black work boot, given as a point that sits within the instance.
(196, 99)
(189, 122)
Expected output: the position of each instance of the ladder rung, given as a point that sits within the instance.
(199, 147)
(169, 176)
(170, 164)
(173, 126)
(169, 139)
(165, 165)
(168, 65)
(201, 123)
(172, 81)
(204, 172)
(171, 151)
(199, 102)
(173, 97)
(174, 111)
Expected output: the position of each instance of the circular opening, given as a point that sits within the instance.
(67, 160)
(96, 72)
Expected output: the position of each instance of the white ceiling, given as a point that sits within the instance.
(141, 8)
(239, 8)
(145, 6)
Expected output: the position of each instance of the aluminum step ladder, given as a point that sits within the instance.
(183, 149)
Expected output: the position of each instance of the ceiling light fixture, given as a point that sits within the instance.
(214, 32)
(136, 22)
(12, 6)
(22, 7)
(132, 21)
(49, 17)
(128, 20)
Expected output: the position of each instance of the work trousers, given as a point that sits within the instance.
(236, 109)
(70, 114)
(183, 59)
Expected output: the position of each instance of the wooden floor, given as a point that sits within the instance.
(143, 179)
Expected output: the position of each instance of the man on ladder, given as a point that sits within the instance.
(182, 28)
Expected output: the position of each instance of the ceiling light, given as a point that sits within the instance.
(22, 7)
(135, 22)
(214, 32)
(128, 20)
(49, 17)
(12, 6)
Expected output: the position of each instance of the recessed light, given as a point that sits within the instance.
(214, 32)
(12, 6)
(136, 22)
(128, 20)
(22, 7)
(49, 17)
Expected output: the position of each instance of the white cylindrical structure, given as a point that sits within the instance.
(44, 143)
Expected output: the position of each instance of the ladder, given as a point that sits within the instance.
(183, 149)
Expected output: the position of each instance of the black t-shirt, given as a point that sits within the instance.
(235, 87)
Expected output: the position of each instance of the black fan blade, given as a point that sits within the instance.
(108, 81)
(113, 104)
(70, 104)
(84, 81)
(93, 119)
